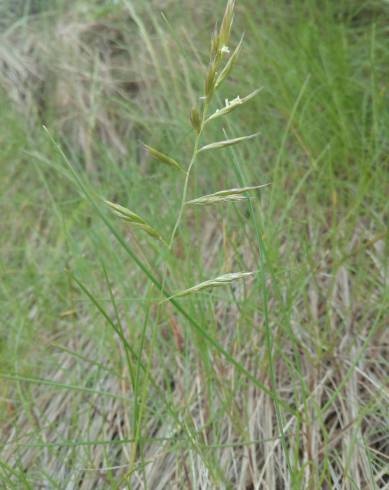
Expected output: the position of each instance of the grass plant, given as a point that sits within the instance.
(184, 306)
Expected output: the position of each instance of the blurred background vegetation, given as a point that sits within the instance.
(105, 77)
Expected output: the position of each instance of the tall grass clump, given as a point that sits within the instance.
(222, 59)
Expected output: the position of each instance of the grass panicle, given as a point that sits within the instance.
(131, 362)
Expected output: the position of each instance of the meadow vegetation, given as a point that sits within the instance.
(177, 313)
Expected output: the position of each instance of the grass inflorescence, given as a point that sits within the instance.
(194, 282)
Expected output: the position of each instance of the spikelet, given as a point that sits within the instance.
(223, 280)
(210, 80)
(229, 142)
(215, 46)
(231, 105)
(133, 218)
(229, 65)
(226, 25)
(225, 195)
(204, 200)
(157, 155)
(195, 119)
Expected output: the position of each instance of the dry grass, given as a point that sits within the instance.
(83, 67)
(341, 419)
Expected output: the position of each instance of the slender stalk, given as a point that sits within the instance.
(188, 172)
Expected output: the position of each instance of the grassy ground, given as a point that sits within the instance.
(277, 381)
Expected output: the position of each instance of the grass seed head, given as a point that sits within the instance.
(229, 142)
(134, 219)
(231, 105)
(226, 25)
(230, 64)
(124, 213)
(215, 45)
(157, 155)
(223, 280)
(211, 199)
(195, 119)
(226, 195)
(210, 81)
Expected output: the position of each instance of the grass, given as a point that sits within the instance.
(277, 380)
